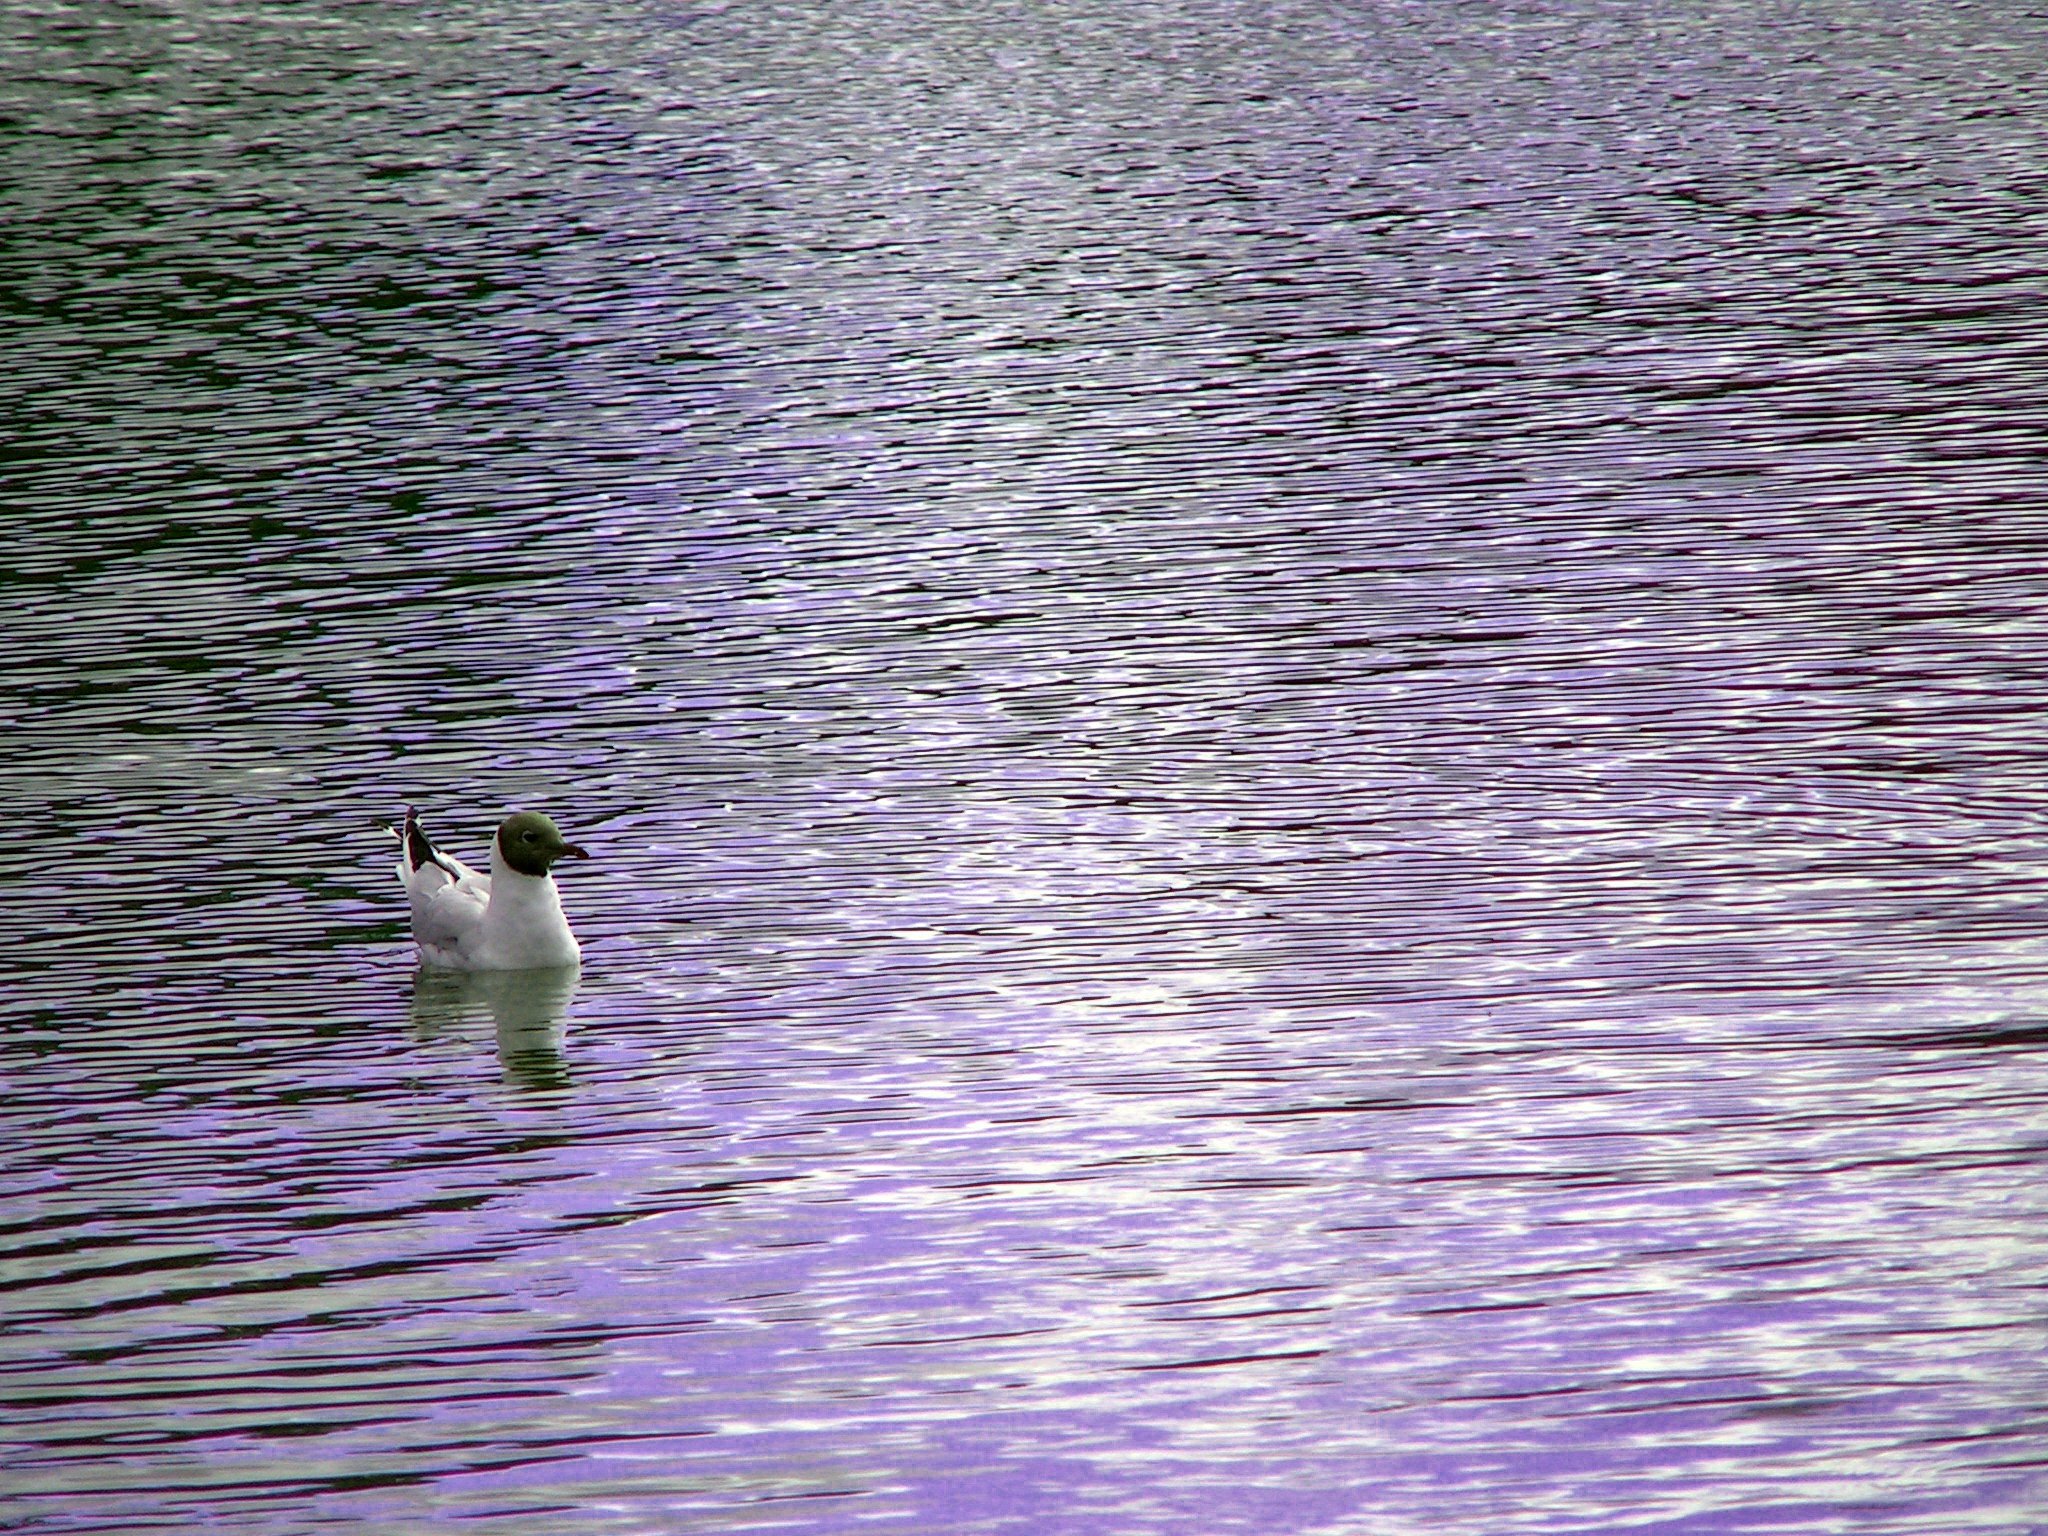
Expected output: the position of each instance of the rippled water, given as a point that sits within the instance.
(1313, 732)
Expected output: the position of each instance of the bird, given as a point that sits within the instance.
(508, 920)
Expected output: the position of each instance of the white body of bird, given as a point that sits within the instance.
(508, 920)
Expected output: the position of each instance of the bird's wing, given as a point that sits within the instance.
(447, 896)
(444, 910)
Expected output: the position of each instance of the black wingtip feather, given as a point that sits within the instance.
(418, 849)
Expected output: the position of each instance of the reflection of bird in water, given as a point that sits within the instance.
(508, 920)
(529, 1010)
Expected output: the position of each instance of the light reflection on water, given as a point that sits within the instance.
(1312, 745)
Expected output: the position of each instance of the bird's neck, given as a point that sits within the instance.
(507, 879)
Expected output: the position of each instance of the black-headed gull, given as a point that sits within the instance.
(508, 920)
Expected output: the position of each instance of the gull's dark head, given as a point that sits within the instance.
(531, 842)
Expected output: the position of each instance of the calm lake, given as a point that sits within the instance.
(1315, 737)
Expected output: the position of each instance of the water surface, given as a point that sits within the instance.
(1313, 737)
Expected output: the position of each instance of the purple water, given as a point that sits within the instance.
(1313, 737)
